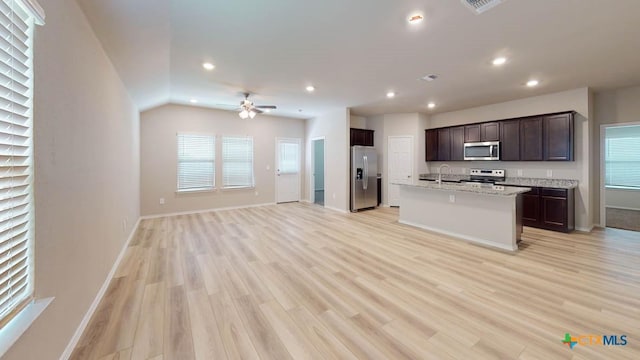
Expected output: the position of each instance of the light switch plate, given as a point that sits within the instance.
(161, 201)
(519, 172)
(549, 173)
(452, 198)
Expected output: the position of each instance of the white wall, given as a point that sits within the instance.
(334, 127)
(86, 175)
(578, 100)
(158, 152)
(623, 198)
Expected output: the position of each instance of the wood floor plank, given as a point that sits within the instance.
(300, 281)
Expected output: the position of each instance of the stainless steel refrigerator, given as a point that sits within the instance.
(364, 177)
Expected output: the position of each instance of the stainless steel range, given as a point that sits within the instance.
(486, 176)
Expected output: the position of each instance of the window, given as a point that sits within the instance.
(622, 156)
(237, 162)
(196, 162)
(16, 155)
(289, 162)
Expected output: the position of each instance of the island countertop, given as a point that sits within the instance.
(483, 189)
(511, 181)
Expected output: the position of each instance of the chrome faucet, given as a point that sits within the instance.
(439, 181)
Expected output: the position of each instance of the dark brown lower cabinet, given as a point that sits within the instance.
(549, 208)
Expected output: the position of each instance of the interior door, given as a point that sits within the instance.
(287, 170)
(400, 165)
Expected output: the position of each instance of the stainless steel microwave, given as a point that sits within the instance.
(488, 150)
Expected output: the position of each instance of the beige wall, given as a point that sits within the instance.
(614, 107)
(158, 154)
(411, 124)
(86, 175)
(358, 122)
(578, 100)
(334, 127)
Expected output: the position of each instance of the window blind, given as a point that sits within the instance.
(622, 157)
(196, 162)
(237, 162)
(16, 154)
(289, 162)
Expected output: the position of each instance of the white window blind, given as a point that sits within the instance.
(16, 154)
(622, 156)
(196, 162)
(237, 162)
(289, 158)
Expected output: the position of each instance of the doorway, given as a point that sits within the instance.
(400, 165)
(287, 170)
(620, 176)
(317, 180)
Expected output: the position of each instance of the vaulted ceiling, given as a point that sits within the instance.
(355, 51)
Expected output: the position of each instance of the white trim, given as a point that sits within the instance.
(191, 212)
(621, 207)
(35, 9)
(196, 190)
(336, 209)
(12, 331)
(96, 301)
(467, 238)
(603, 200)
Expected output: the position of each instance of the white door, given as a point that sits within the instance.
(400, 165)
(287, 170)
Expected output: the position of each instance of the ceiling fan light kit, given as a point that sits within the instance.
(249, 110)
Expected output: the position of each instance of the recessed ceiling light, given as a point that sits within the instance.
(532, 83)
(499, 61)
(431, 105)
(310, 88)
(415, 19)
(193, 101)
(391, 94)
(208, 66)
(267, 110)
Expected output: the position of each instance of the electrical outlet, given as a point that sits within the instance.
(519, 172)
(268, 167)
(256, 193)
(549, 173)
(333, 196)
(161, 201)
(452, 198)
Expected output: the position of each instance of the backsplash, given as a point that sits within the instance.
(534, 169)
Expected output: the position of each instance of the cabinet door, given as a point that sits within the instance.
(472, 133)
(531, 208)
(457, 143)
(444, 144)
(510, 140)
(558, 137)
(554, 213)
(531, 139)
(431, 144)
(489, 131)
(368, 137)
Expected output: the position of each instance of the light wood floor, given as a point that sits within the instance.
(296, 281)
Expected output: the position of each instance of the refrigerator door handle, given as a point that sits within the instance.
(365, 176)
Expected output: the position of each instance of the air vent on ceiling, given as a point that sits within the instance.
(480, 6)
(429, 77)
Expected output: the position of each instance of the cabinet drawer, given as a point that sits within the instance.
(559, 193)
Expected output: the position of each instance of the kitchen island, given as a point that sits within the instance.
(485, 214)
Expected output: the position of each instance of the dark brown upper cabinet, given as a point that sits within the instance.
(444, 144)
(482, 132)
(510, 140)
(531, 139)
(361, 137)
(558, 137)
(431, 142)
(490, 131)
(457, 143)
(472, 133)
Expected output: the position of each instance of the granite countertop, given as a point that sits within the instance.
(513, 181)
(485, 189)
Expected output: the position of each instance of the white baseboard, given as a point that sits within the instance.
(191, 212)
(336, 209)
(96, 301)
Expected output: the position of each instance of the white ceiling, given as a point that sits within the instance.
(355, 51)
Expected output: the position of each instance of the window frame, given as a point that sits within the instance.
(224, 161)
(607, 162)
(213, 161)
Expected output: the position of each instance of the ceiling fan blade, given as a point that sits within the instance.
(257, 110)
(266, 107)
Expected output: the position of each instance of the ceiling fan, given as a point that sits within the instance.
(249, 110)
